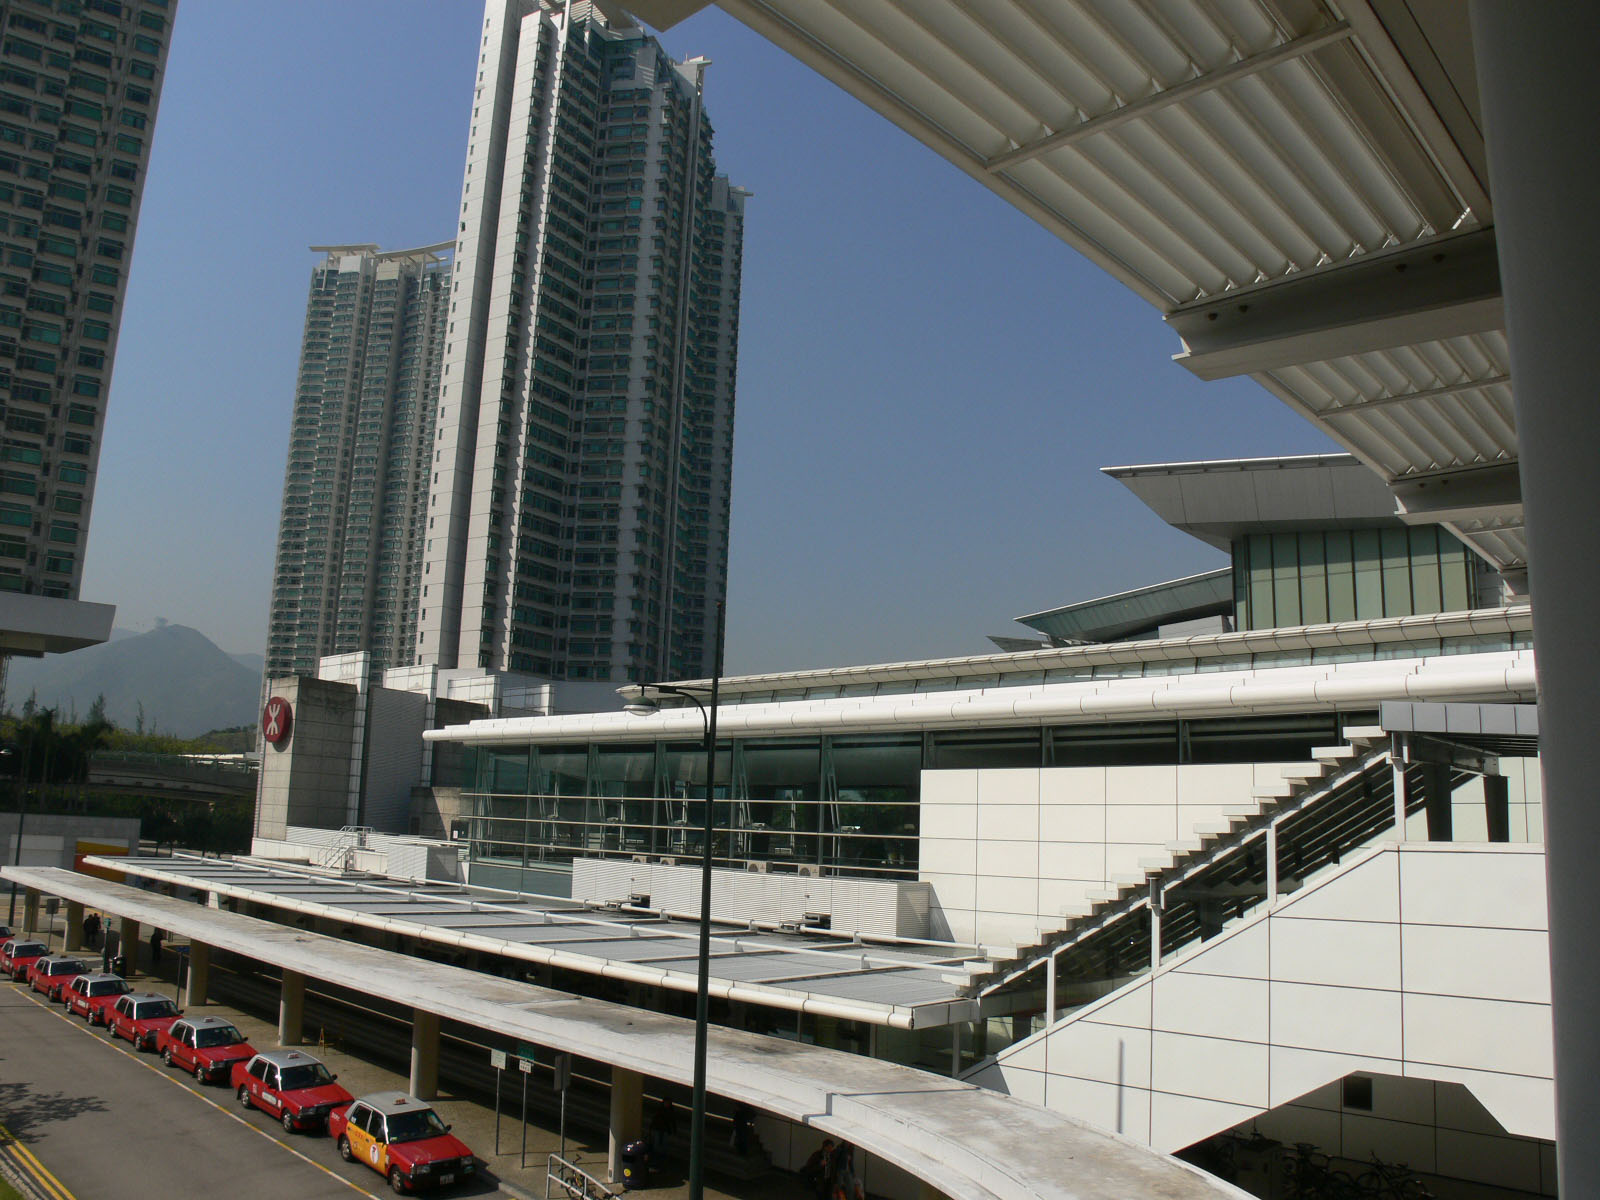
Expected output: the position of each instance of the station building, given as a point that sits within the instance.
(1258, 849)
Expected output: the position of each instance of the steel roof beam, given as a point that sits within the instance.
(1445, 288)
(1481, 493)
(1176, 94)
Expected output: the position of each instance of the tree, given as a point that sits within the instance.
(97, 711)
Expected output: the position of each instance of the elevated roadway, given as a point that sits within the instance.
(964, 1142)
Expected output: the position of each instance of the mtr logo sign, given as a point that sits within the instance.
(276, 719)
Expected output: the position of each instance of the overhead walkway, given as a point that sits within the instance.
(968, 1142)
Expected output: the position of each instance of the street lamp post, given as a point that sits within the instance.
(708, 719)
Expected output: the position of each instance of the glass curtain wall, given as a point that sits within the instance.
(845, 805)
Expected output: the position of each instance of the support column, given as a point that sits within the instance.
(929, 1192)
(30, 910)
(627, 1116)
(1541, 100)
(292, 1009)
(199, 972)
(424, 1054)
(1497, 807)
(1436, 800)
(128, 945)
(1397, 769)
(72, 935)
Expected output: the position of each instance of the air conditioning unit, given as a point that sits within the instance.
(760, 868)
(641, 858)
(811, 870)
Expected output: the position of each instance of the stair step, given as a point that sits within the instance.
(1311, 770)
(1104, 895)
(1185, 847)
(1277, 791)
(1241, 810)
(1333, 753)
(1157, 862)
(1212, 827)
(1366, 733)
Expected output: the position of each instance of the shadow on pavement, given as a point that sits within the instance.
(25, 1110)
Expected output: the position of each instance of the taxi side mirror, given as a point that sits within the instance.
(448, 1128)
(335, 1075)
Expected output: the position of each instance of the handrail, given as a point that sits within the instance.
(574, 1181)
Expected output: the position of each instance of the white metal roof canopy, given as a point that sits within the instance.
(974, 1144)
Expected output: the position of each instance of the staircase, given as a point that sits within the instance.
(1260, 849)
(340, 854)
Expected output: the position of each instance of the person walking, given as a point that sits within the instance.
(91, 930)
(156, 937)
(818, 1168)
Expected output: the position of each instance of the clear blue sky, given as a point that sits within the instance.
(928, 381)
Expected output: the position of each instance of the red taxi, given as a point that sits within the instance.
(141, 1016)
(294, 1087)
(207, 1047)
(402, 1139)
(91, 996)
(17, 955)
(53, 975)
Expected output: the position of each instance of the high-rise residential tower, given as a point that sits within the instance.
(350, 536)
(577, 521)
(79, 86)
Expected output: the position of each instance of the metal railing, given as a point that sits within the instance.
(574, 1182)
(340, 852)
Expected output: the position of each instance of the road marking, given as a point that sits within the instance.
(35, 1169)
(180, 1083)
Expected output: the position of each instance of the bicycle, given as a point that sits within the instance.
(1392, 1181)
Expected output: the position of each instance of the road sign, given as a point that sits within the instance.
(563, 1065)
(525, 1065)
(497, 1059)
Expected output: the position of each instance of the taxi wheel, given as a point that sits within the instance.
(166, 1057)
(344, 1149)
(395, 1181)
(288, 1121)
(244, 1098)
(199, 1072)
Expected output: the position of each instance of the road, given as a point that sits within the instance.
(106, 1122)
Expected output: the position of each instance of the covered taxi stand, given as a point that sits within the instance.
(965, 1142)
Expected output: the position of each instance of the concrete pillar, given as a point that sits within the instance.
(30, 910)
(424, 1054)
(292, 1009)
(1541, 100)
(627, 1115)
(199, 972)
(128, 945)
(1436, 800)
(72, 935)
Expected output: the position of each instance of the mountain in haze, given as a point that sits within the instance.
(186, 684)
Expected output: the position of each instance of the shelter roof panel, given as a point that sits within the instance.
(977, 1144)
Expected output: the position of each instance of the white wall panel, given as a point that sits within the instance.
(1489, 1035)
(1238, 952)
(1108, 1053)
(1498, 964)
(1353, 953)
(1300, 1076)
(1210, 1006)
(1509, 891)
(1353, 1020)
(1124, 1110)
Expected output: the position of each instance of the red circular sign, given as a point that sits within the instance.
(276, 719)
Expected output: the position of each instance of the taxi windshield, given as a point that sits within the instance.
(218, 1035)
(67, 966)
(154, 1008)
(110, 987)
(28, 950)
(309, 1075)
(414, 1126)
